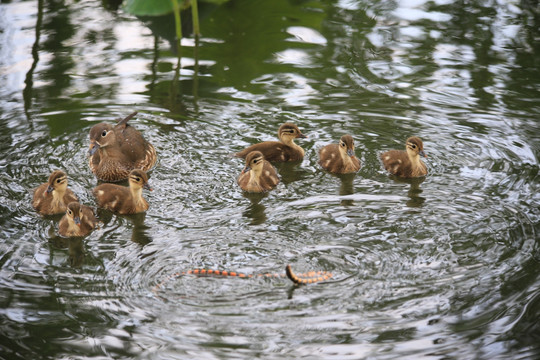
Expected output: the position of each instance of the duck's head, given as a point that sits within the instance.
(415, 146)
(346, 144)
(290, 131)
(139, 179)
(74, 212)
(101, 135)
(57, 182)
(254, 161)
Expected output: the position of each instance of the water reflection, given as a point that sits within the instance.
(346, 186)
(29, 82)
(256, 210)
(415, 200)
(75, 247)
(291, 171)
(469, 83)
(139, 232)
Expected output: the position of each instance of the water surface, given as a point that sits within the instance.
(446, 266)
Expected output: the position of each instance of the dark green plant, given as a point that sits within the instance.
(163, 7)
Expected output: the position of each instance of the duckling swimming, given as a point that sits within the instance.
(279, 151)
(258, 175)
(79, 220)
(340, 159)
(406, 163)
(53, 196)
(121, 199)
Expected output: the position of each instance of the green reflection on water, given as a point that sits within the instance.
(449, 261)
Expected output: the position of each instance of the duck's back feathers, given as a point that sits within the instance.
(274, 151)
(279, 151)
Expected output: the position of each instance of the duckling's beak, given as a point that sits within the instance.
(77, 220)
(246, 169)
(49, 189)
(350, 152)
(422, 153)
(94, 146)
(147, 187)
(301, 136)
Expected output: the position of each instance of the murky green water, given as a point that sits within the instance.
(444, 268)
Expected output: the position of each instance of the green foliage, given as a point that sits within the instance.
(159, 7)
(148, 7)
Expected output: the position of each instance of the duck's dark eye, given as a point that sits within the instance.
(137, 179)
(58, 181)
(413, 146)
(343, 144)
(70, 212)
(104, 133)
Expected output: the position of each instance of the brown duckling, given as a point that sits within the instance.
(53, 196)
(116, 150)
(339, 159)
(121, 199)
(280, 151)
(407, 163)
(258, 175)
(79, 220)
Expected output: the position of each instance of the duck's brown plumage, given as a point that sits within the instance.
(339, 158)
(116, 150)
(258, 175)
(79, 220)
(121, 199)
(53, 196)
(406, 163)
(279, 151)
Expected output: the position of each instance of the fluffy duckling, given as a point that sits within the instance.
(116, 150)
(407, 163)
(53, 196)
(339, 159)
(258, 175)
(279, 151)
(79, 220)
(124, 200)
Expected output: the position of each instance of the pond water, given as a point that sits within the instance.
(445, 267)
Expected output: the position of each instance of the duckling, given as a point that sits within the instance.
(339, 159)
(407, 163)
(124, 200)
(258, 175)
(79, 220)
(116, 150)
(279, 151)
(53, 196)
